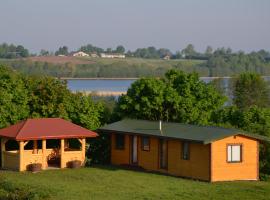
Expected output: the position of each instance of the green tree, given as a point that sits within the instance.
(47, 97)
(13, 97)
(177, 97)
(62, 51)
(144, 99)
(120, 49)
(44, 52)
(189, 51)
(208, 51)
(82, 110)
(251, 89)
(197, 99)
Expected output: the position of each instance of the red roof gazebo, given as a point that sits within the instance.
(42, 129)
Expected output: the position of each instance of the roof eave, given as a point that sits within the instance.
(143, 134)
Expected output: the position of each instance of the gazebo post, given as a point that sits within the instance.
(21, 152)
(35, 150)
(83, 151)
(3, 148)
(62, 149)
(44, 160)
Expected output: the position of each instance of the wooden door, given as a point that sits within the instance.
(134, 149)
(163, 154)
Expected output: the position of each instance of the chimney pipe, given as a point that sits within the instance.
(160, 125)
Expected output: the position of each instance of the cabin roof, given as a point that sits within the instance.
(45, 128)
(201, 134)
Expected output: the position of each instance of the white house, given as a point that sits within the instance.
(94, 55)
(80, 54)
(112, 55)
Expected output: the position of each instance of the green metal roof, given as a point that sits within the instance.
(202, 134)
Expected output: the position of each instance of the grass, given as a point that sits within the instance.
(114, 183)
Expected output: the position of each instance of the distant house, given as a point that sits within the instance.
(198, 152)
(167, 57)
(112, 55)
(80, 54)
(94, 55)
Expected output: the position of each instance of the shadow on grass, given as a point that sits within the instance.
(139, 169)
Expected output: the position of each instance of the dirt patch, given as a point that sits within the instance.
(60, 59)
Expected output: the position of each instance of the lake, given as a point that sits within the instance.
(119, 85)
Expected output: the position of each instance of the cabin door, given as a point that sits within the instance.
(163, 154)
(134, 149)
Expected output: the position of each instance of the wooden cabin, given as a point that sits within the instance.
(197, 152)
(46, 141)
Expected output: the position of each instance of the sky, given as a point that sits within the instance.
(36, 24)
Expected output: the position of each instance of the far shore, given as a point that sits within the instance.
(102, 93)
(136, 78)
(99, 78)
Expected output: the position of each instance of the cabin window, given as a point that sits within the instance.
(185, 150)
(119, 141)
(234, 153)
(145, 143)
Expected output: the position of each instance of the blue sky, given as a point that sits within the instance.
(36, 24)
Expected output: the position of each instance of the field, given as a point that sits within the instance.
(114, 183)
(79, 67)
(59, 59)
(108, 61)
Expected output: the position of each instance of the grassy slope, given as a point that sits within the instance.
(114, 183)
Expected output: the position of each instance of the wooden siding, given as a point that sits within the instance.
(149, 160)
(11, 160)
(198, 167)
(120, 157)
(19, 160)
(221, 170)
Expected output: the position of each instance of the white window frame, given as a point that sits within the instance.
(234, 153)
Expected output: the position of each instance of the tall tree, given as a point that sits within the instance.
(62, 51)
(178, 97)
(251, 89)
(208, 51)
(120, 49)
(189, 51)
(13, 97)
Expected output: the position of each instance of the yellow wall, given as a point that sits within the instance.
(197, 167)
(149, 159)
(11, 160)
(119, 157)
(29, 157)
(70, 156)
(19, 160)
(246, 170)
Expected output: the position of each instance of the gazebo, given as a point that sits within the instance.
(42, 140)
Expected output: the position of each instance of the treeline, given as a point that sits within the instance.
(219, 64)
(23, 97)
(13, 51)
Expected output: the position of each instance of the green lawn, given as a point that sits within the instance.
(114, 183)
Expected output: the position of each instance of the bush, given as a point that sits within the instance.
(9, 191)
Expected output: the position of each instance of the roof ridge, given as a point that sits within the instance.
(23, 125)
(185, 124)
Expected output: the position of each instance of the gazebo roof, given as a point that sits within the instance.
(45, 128)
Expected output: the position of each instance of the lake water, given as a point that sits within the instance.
(116, 85)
